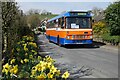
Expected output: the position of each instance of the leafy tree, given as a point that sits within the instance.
(13, 24)
(33, 20)
(112, 18)
(33, 11)
(9, 12)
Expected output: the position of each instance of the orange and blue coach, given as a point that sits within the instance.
(73, 27)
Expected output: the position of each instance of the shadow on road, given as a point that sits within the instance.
(89, 46)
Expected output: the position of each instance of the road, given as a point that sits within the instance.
(100, 62)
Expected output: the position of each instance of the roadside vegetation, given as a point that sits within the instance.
(25, 62)
(107, 29)
(20, 58)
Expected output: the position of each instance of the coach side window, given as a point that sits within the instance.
(62, 23)
(55, 23)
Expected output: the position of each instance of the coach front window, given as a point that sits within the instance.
(77, 22)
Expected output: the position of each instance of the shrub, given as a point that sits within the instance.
(99, 28)
(114, 40)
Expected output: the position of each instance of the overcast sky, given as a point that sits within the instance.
(58, 7)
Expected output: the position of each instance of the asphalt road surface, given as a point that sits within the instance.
(97, 61)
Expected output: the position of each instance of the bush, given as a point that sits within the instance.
(99, 28)
(25, 31)
(114, 40)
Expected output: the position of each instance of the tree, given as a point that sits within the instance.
(98, 14)
(13, 22)
(33, 11)
(112, 18)
(9, 15)
(33, 20)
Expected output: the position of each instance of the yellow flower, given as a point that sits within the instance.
(33, 44)
(24, 36)
(48, 65)
(26, 60)
(7, 66)
(12, 50)
(34, 52)
(41, 76)
(31, 56)
(48, 59)
(22, 41)
(30, 38)
(65, 75)
(26, 54)
(12, 61)
(53, 69)
(39, 57)
(14, 70)
(50, 75)
(18, 49)
(21, 61)
(6, 71)
(18, 42)
(33, 72)
(58, 72)
(25, 47)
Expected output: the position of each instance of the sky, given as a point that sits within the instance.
(58, 7)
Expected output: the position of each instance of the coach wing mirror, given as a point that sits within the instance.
(62, 27)
(93, 21)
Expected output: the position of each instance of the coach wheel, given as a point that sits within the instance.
(49, 38)
(58, 41)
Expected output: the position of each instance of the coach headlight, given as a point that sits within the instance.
(91, 37)
(73, 36)
(68, 37)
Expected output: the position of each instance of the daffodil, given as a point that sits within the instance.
(18, 42)
(18, 49)
(58, 72)
(50, 75)
(34, 52)
(22, 61)
(12, 61)
(6, 71)
(25, 47)
(26, 54)
(26, 60)
(12, 50)
(14, 70)
(33, 72)
(31, 56)
(42, 76)
(53, 69)
(22, 41)
(48, 65)
(30, 38)
(33, 44)
(48, 59)
(39, 57)
(7, 66)
(65, 75)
